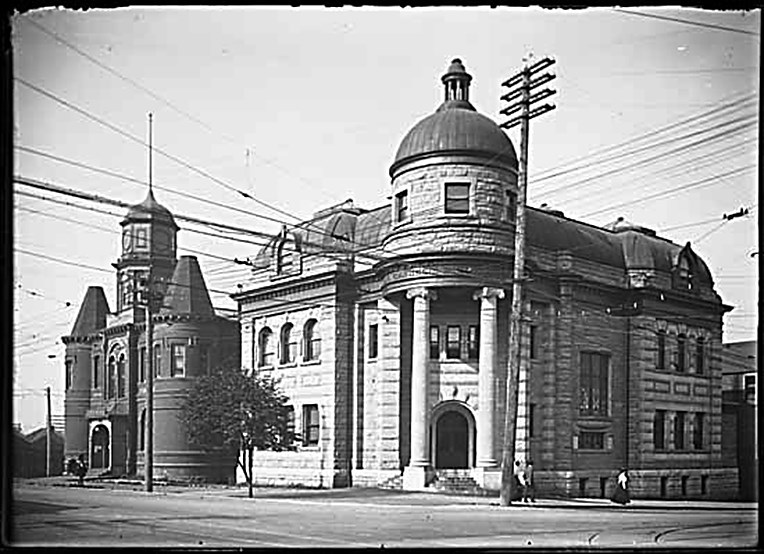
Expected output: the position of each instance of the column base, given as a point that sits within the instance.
(416, 478)
(488, 478)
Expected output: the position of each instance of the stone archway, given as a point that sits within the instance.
(100, 441)
(453, 436)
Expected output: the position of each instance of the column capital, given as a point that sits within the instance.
(423, 292)
(488, 292)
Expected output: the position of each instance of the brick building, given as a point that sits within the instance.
(740, 445)
(106, 356)
(389, 329)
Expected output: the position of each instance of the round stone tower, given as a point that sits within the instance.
(454, 190)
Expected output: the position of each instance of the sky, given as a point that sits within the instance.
(656, 121)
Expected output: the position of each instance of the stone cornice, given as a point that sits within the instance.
(287, 288)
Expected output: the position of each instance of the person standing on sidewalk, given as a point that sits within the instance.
(529, 485)
(621, 492)
(82, 469)
(519, 476)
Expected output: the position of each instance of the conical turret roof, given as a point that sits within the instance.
(187, 293)
(92, 314)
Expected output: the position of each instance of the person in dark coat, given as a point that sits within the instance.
(82, 469)
(621, 492)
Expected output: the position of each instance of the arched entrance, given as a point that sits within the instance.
(99, 454)
(453, 436)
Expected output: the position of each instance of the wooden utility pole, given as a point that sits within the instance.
(148, 454)
(522, 102)
(48, 436)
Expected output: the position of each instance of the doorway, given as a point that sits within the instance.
(452, 441)
(99, 454)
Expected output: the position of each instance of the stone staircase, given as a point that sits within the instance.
(394, 483)
(457, 481)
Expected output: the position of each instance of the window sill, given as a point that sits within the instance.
(311, 362)
(265, 367)
(287, 365)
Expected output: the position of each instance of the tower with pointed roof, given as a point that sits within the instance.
(107, 356)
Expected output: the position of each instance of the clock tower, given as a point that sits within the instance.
(148, 244)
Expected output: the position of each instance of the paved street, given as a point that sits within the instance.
(123, 515)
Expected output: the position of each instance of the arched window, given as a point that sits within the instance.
(681, 353)
(312, 341)
(700, 355)
(266, 347)
(660, 363)
(288, 344)
(121, 381)
(112, 388)
(142, 441)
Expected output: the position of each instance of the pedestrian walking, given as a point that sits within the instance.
(621, 493)
(519, 477)
(529, 485)
(82, 469)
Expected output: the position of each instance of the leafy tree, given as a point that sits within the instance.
(231, 409)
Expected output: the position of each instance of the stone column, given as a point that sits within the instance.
(486, 452)
(415, 475)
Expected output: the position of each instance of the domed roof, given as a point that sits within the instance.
(456, 128)
(149, 210)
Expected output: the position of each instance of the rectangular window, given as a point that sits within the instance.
(204, 358)
(96, 371)
(140, 238)
(594, 385)
(533, 346)
(749, 385)
(434, 342)
(402, 206)
(659, 430)
(111, 388)
(178, 360)
(703, 484)
(591, 440)
(700, 355)
(373, 341)
(290, 423)
(697, 432)
(157, 359)
(511, 205)
(473, 342)
(142, 364)
(453, 342)
(681, 358)
(679, 431)
(660, 363)
(310, 425)
(531, 419)
(69, 377)
(457, 198)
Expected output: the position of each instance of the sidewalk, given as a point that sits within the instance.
(367, 495)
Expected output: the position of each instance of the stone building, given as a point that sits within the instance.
(389, 330)
(106, 356)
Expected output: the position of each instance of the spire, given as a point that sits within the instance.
(92, 314)
(187, 292)
(151, 148)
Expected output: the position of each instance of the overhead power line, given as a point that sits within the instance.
(688, 22)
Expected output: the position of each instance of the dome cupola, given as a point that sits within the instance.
(455, 130)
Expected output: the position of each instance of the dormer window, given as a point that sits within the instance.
(457, 198)
(402, 206)
(287, 254)
(683, 271)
